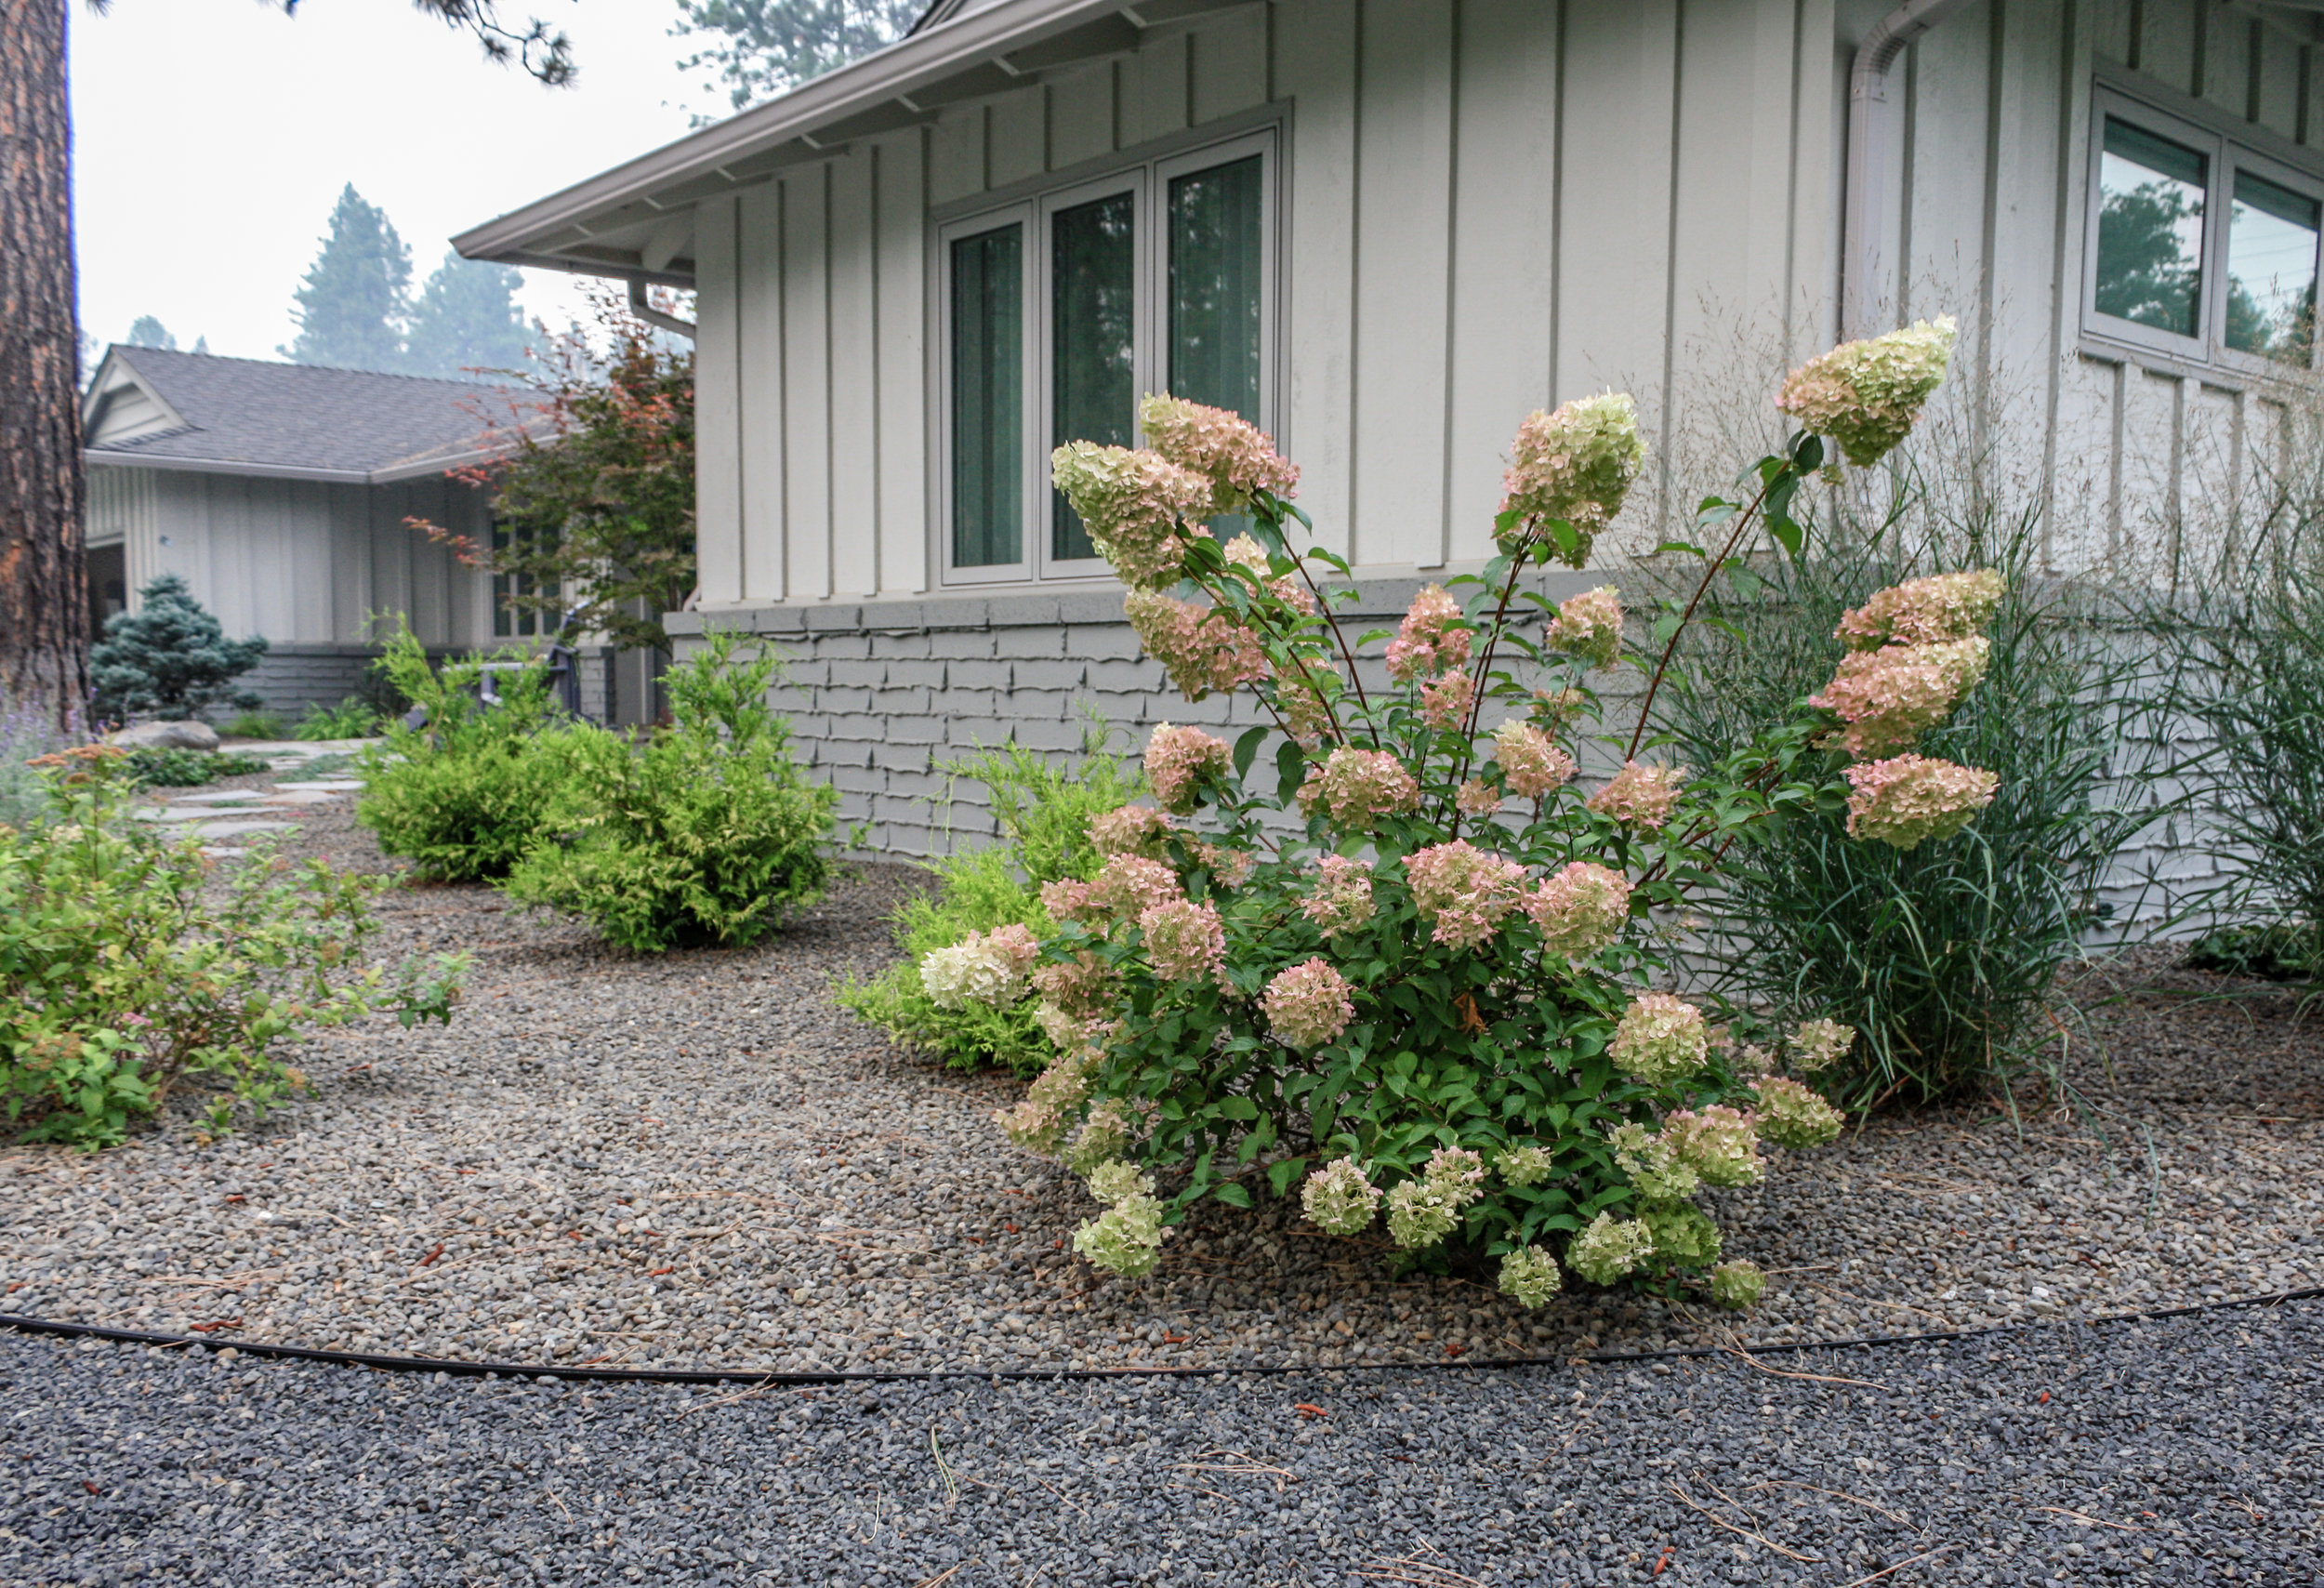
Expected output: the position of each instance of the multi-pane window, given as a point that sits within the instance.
(513, 615)
(1060, 312)
(2199, 244)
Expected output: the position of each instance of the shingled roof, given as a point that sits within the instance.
(248, 416)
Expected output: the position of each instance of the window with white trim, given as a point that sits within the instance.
(2199, 245)
(1058, 312)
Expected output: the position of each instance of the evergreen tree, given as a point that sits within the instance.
(467, 320)
(202, 346)
(169, 658)
(761, 47)
(149, 332)
(353, 303)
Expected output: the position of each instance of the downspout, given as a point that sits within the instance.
(1860, 276)
(644, 309)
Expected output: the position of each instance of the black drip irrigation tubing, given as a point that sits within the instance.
(578, 1374)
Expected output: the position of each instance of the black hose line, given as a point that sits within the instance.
(575, 1374)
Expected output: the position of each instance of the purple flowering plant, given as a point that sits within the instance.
(1385, 952)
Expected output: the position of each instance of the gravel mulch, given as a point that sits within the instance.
(2176, 1452)
(698, 1159)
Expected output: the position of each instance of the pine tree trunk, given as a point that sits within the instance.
(43, 594)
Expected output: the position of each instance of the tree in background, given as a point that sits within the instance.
(171, 658)
(149, 332)
(467, 320)
(761, 47)
(593, 484)
(352, 303)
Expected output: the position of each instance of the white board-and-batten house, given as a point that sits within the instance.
(1387, 230)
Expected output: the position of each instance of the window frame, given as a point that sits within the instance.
(1147, 176)
(2226, 148)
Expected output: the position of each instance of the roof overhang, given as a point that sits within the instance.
(387, 474)
(623, 222)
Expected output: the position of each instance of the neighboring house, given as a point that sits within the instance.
(280, 492)
(1388, 229)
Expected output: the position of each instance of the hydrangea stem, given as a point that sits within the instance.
(1670, 646)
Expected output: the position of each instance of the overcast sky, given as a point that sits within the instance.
(213, 136)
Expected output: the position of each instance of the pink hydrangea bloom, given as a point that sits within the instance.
(1228, 867)
(1639, 797)
(1890, 696)
(1082, 986)
(1477, 798)
(1819, 1043)
(1307, 1005)
(1038, 1123)
(1721, 1144)
(1463, 890)
(1580, 910)
(1531, 764)
(1794, 1116)
(1867, 396)
(1426, 640)
(1444, 704)
(1659, 1039)
(1133, 829)
(1358, 785)
(1912, 798)
(1305, 715)
(1342, 899)
(1245, 552)
(1178, 760)
(988, 968)
(1126, 885)
(1576, 463)
(1236, 456)
(1069, 900)
(1139, 507)
(1183, 939)
(1203, 648)
(1590, 625)
(1924, 612)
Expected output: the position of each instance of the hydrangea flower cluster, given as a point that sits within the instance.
(1653, 1165)
(1736, 1284)
(1682, 1233)
(1427, 641)
(1720, 1143)
(1890, 696)
(1445, 702)
(1342, 897)
(1580, 910)
(1793, 1116)
(1912, 800)
(1307, 1005)
(1526, 1165)
(1203, 648)
(1817, 1044)
(1138, 506)
(1610, 1248)
(1179, 761)
(1659, 1039)
(1130, 830)
(1183, 939)
(1530, 1276)
(1042, 1117)
(1477, 798)
(1228, 867)
(1356, 786)
(1590, 625)
(1532, 766)
(1424, 1209)
(1865, 395)
(1340, 1198)
(1576, 465)
(1303, 696)
(1248, 555)
(1639, 797)
(1127, 1238)
(1463, 890)
(1926, 612)
(1238, 458)
(1125, 887)
(989, 968)
(1103, 1137)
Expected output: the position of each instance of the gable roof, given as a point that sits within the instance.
(235, 415)
(635, 221)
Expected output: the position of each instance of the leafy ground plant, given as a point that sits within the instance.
(709, 833)
(1044, 811)
(256, 725)
(352, 717)
(464, 796)
(149, 767)
(127, 968)
(1380, 955)
(1946, 956)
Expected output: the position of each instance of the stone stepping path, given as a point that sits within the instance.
(224, 813)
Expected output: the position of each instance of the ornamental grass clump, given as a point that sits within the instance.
(1385, 954)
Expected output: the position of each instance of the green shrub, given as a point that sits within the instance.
(352, 717)
(1043, 812)
(169, 658)
(153, 768)
(127, 966)
(464, 796)
(709, 832)
(256, 725)
(1944, 957)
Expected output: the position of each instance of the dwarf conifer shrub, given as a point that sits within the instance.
(709, 833)
(1381, 954)
(1044, 811)
(169, 659)
(465, 795)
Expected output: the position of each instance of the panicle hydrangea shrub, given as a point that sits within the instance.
(1379, 957)
(1910, 800)
(1865, 395)
(1928, 611)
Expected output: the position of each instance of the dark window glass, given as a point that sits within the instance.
(1215, 259)
(988, 399)
(2271, 270)
(1092, 377)
(2150, 229)
(511, 621)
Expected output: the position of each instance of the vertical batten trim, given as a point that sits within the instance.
(2072, 68)
(782, 382)
(1981, 402)
(1355, 275)
(1452, 275)
(1663, 399)
(1788, 284)
(1909, 148)
(1557, 206)
(830, 399)
(875, 250)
